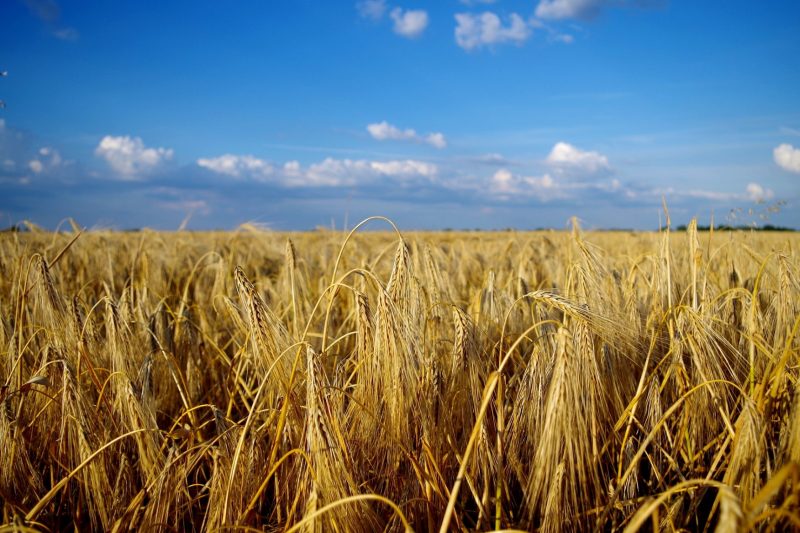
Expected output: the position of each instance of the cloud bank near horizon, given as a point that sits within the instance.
(564, 176)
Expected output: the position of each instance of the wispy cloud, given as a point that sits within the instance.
(384, 131)
(67, 34)
(189, 206)
(561, 38)
(129, 157)
(584, 9)
(787, 157)
(756, 193)
(560, 177)
(372, 9)
(567, 175)
(24, 159)
(49, 12)
(753, 192)
(475, 31)
(409, 23)
(491, 159)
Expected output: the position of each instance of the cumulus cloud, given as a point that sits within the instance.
(572, 161)
(405, 168)
(36, 166)
(585, 9)
(409, 22)
(46, 160)
(237, 166)
(372, 9)
(486, 29)
(757, 193)
(436, 140)
(330, 172)
(384, 131)
(505, 184)
(129, 157)
(291, 169)
(787, 157)
(338, 172)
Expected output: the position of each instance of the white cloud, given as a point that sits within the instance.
(410, 22)
(476, 31)
(384, 131)
(51, 156)
(757, 193)
(47, 159)
(238, 166)
(339, 172)
(708, 195)
(333, 172)
(405, 168)
(577, 163)
(584, 9)
(129, 157)
(562, 38)
(505, 184)
(562, 9)
(787, 157)
(291, 169)
(329, 172)
(371, 9)
(436, 140)
(545, 182)
(36, 166)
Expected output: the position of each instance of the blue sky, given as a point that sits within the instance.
(449, 114)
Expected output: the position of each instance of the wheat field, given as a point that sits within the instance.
(388, 381)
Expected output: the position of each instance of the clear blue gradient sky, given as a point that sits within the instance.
(460, 114)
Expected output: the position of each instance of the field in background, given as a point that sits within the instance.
(453, 381)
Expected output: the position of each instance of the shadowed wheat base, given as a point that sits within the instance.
(432, 381)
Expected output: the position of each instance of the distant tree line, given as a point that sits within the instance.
(741, 227)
